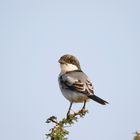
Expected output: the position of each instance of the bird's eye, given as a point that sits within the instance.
(72, 61)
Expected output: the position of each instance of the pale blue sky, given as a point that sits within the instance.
(104, 35)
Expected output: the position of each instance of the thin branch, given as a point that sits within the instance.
(58, 132)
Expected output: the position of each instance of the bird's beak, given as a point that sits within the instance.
(61, 61)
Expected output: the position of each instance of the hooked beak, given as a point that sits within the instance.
(61, 61)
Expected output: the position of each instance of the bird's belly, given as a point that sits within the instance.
(74, 96)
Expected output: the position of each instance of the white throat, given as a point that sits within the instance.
(68, 67)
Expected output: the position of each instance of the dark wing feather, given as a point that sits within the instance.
(78, 85)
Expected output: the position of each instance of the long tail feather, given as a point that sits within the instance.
(98, 99)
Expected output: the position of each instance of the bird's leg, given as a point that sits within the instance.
(83, 108)
(69, 109)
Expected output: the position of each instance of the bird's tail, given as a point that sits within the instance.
(97, 99)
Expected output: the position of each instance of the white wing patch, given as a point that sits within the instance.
(89, 87)
(69, 80)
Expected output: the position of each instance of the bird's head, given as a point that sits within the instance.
(69, 63)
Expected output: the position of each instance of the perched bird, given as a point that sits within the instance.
(74, 83)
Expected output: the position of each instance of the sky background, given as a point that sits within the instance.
(104, 35)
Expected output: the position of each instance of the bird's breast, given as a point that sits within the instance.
(73, 96)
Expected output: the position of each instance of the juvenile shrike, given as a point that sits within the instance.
(75, 84)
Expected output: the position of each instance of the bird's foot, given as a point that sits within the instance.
(83, 111)
(68, 116)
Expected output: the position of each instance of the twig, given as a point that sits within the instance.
(58, 132)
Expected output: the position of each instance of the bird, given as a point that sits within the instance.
(74, 84)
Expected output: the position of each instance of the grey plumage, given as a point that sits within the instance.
(79, 82)
(74, 83)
